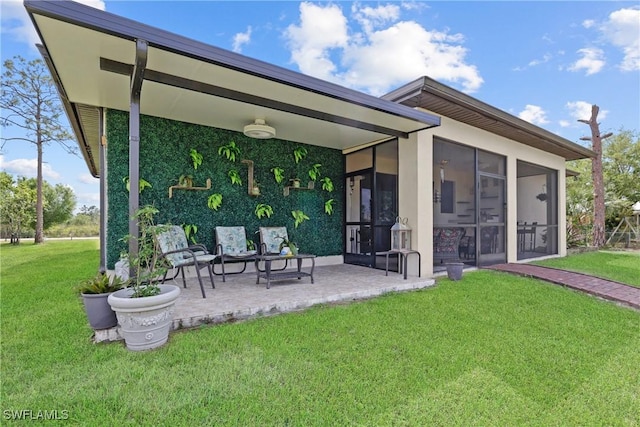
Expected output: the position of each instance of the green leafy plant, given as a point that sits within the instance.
(314, 172)
(263, 210)
(141, 183)
(278, 174)
(251, 245)
(299, 153)
(328, 206)
(293, 247)
(230, 151)
(146, 264)
(299, 217)
(214, 201)
(100, 284)
(190, 231)
(327, 184)
(235, 177)
(196, 158)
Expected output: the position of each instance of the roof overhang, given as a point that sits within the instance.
(441, 99)
(91, 54)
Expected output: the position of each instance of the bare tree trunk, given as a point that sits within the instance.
(599, 237)
(39, 236)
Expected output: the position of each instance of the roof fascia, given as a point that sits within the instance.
(430, 86)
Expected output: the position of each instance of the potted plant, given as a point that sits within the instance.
(185, 181)
(255, 188)
(94, 294)
(144, 309)
(287, 247)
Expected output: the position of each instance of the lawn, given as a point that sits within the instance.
(619, 266)
(492, 349)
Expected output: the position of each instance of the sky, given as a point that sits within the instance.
(546, 62)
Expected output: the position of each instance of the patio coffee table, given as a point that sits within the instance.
(283, 274)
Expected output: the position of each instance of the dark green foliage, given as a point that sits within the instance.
(101, 284)
(164, 156)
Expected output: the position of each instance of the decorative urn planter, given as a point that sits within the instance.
(145, 322)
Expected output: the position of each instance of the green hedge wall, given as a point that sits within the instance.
(164, 156)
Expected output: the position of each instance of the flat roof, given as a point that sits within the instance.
(91, 54)
(443, 100)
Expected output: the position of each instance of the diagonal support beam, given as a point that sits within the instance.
(137, 77)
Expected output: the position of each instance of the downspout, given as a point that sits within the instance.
(103, 203)
(137, 77)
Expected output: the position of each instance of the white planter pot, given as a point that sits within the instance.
(145, 322)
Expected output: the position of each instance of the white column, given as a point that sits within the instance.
(415, 161)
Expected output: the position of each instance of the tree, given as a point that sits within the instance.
(621, 166)
(599, 237)
(30, 102)
(59, 201)
(16, 209)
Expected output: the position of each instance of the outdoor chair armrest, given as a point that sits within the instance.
(189, 254)
(198, 247)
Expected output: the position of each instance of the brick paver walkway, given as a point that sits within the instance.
(607, 289)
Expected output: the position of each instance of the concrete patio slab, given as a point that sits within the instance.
(240, 298)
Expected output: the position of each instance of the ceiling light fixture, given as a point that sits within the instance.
(260, 130)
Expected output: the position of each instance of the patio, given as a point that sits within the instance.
(240, 298)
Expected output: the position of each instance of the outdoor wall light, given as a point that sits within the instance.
(260, 130)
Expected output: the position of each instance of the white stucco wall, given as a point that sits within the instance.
(416, 176)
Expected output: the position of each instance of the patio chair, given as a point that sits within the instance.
(179, 254)
(270, 240)
(231, 247)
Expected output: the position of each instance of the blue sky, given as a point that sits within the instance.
(543, 61)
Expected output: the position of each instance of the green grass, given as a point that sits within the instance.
(491, 349)
(619, 266)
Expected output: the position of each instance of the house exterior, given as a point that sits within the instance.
(466, 176)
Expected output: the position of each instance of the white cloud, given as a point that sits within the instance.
(17, 25)
(545, 58)
(241, 39)
(28, 168)
(321, 29)
(591, 61)
(581, 110)
(564, 123)
(375, 17)
(87, 178)
(588, 23)
(384, 55)
(89, 199)
(534, 114)
(622, 29)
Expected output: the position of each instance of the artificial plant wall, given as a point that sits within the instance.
(165, 148)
